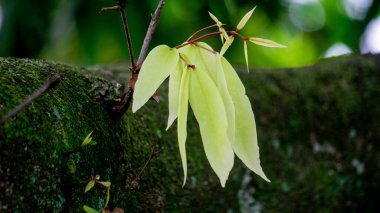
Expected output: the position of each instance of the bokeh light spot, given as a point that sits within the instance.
(357, 9)
(337, 49)
(370, 41)
(307, 15)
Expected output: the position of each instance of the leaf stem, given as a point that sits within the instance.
(201, 30)
(198, 39)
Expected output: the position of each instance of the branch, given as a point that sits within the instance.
(44, 88)
(149, 34)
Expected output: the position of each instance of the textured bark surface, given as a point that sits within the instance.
(318, 132)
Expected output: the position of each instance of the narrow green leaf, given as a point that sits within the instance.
(215, 19)
(106, 184)
(211, 63)
(108, 197)
(87, 140)
(160, 62)
(174, 86)
(245, 144)
(89, 209)
(92, 143)
(266, 42)
(246, 55)
(208, 108)
(182, 118)
(226, 45)
(244, 20)
(89, 185)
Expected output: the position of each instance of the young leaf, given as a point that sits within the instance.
(215, 19)
(245, 144)
(89, 209)
(210, 113)
(182, 118)
(160, 62)
(226, 45)
(87, 140)
(223, 34)
(266, 42)
(244, 20)
(106, 184)
(89, 185)
(209, 62)
(246, 55)
(174, 86)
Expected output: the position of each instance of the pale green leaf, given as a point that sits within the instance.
(87, 140)
(174, 86)
(215, 19)
(89, 185)
(226, 45)
(244, 20)
(182, 118)
(223, 34)
(89, 209)
(159, 63)
(266, 42)
(211, 63)
(208, 108)
(245, 144)
(246, 55)
(106, 184)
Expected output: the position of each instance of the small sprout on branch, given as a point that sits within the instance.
(90, 184)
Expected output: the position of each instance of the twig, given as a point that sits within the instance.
(152, 153)
(120, 5)
(44, 88)
(149, 34)
(128, 36)
(126, 101)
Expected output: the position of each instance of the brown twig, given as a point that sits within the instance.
(126, 101)
(120, 6)
(43, 89)
(152, 153)
(128, 36)
(149, 33)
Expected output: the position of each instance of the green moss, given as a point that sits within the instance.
(314, 124)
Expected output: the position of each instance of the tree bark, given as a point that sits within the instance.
(318, 132)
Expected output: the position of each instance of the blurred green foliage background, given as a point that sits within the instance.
(74, 32)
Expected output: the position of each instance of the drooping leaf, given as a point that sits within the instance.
(87, 140)
(210, 113)
(182, 119)
(89, 209)
(266, 42)
(246, 55)
(159, 63)
(245, 144)
(244, 20)
(174, 86)
(210, 62)
(226, 45)
(89, 185)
